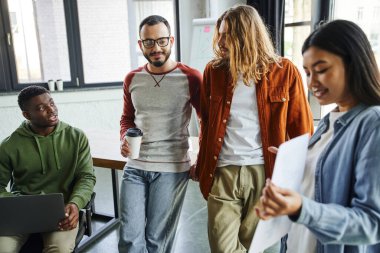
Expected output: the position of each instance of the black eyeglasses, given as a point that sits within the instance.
(162, 42)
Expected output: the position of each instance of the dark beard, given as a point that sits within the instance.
(158, 63)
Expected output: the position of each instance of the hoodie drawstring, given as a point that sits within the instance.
(58, 164)
(41, 155)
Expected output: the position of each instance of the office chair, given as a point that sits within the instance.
(34, 244)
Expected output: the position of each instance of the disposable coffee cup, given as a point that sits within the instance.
(133, 137)
(59, 85)
(51, 85)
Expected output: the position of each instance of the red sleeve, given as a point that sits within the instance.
(128, 116)
(204, 109)
(195, 81)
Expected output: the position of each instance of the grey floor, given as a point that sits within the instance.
(191, 236)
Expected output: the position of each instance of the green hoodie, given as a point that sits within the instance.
(59, 162)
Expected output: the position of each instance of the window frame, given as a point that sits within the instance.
(320, 11)
(8, 78)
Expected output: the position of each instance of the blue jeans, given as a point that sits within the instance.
(150, 205)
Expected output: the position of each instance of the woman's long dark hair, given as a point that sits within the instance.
(347, 40)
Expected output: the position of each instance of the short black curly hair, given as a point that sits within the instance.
(29, 92)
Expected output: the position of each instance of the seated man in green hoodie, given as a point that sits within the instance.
(45, 155)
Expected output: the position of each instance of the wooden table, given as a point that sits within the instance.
(105, 151)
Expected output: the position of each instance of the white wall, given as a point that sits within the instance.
(217, 7)
(88, 110)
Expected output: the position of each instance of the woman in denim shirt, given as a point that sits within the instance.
(338, 209)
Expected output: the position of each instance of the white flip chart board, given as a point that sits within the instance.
(201, 45)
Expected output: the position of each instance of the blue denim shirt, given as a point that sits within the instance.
(345, 215)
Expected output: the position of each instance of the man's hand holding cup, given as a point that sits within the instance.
(130, 145)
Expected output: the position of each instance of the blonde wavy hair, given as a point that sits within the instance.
(251, 51)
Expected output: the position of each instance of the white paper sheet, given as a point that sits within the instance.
(288, 173)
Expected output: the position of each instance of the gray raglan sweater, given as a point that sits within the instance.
(163, 113)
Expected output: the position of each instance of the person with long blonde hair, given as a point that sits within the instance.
(251, 98)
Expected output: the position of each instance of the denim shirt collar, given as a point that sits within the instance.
(339, 123)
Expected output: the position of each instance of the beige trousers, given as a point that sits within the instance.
(232, 219)
(54, 242)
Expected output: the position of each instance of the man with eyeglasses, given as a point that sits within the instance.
(157, 99)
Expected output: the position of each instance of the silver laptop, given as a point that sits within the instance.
(31, 213)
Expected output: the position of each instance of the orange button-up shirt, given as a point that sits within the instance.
(283, 110)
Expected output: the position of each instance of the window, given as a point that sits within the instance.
(376, 12)
(297, 28)
(104, 39)
(85, 43)
(343, 9)
(39, 40)
(360, 13)
(346, 9)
